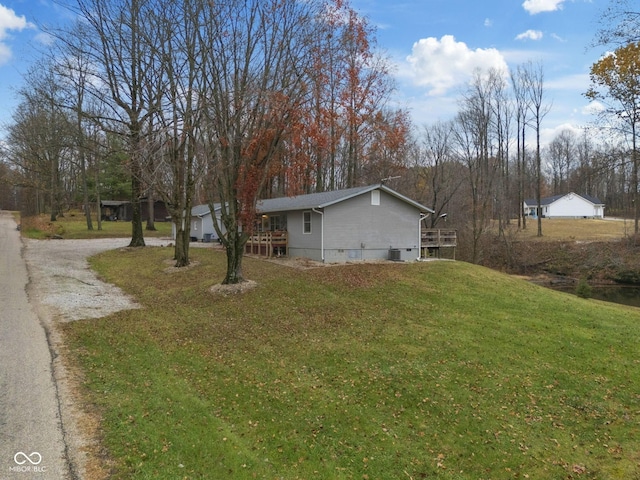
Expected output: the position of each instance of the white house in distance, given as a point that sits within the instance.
(570, 205)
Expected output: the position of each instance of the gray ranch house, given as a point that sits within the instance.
(362, 223)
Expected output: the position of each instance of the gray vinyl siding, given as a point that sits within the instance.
(356, 230)
(196, 228)
(301, 244)
(202, 225)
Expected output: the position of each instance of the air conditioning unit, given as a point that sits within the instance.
(394, 254)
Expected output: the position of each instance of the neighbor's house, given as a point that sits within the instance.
(363, 223)
(113, 210)
(570, 205)
(202, 229)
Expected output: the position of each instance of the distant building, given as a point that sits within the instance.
(570, 205)
(121, 210)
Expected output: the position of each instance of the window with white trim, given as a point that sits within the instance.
(306, 222)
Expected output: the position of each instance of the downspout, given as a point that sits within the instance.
(321, 231)
(423, 216)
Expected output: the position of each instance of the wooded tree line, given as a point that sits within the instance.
(228, 102)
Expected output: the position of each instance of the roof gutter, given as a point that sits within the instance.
(315, 210)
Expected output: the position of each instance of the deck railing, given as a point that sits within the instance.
(432, 240)
(268, 244)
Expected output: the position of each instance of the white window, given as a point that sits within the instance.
(306, 222)
(375, 197)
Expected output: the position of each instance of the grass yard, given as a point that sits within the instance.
(74, 225)
(375, 371)
(582, 229)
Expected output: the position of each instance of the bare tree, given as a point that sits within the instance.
(436, 172)
(255, 82)
(475, 137)
(534, 75)
(518, 85)
(40, 138)
(73, 72)
(620, 23)
(561, 153)
(173, 165)
(122, 48)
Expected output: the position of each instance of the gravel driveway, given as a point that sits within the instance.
(63, 281)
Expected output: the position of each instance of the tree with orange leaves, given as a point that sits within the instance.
(616, 77)
(255, 84)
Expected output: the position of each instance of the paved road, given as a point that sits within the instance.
(31, 437)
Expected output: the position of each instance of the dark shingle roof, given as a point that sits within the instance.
(325, 199)
(313, 200)
(549, 200)
(202, 210)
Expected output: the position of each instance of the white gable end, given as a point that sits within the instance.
(572, 205)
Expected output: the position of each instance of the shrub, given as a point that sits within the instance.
(583, 289)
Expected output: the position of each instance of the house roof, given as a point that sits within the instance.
(113, 203)
(313, 200)
(326, 199)
(555, 198)
(202, 210)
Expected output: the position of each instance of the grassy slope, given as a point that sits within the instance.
(425, 370)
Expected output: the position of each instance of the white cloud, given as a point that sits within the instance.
(538, 6)
(594, 108)
(9, 21)
(441, 65)
(45, 38)
(488, 22)
(530, 35)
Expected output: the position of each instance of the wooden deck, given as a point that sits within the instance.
(268, 244)
(275, 244)
(432, 240)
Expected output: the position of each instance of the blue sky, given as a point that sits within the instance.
(435, 46)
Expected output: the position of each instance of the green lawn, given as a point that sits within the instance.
(580, 229)
(374, 371)
(73, 225)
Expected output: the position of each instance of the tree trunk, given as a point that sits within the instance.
(54, 191)
(98, 197)
(235, 243)
(85, 191)
(634, 173)
(150, 214)
(183, 237)
(181, 252)
(137, 237)
(538, 174)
